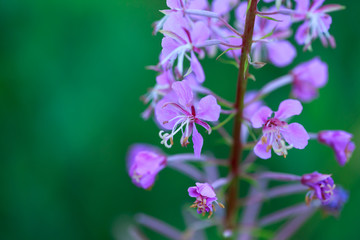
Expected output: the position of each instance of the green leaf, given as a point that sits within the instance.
(268, 35)
(229, 49)
(249, 4)
(224, 122)
(268, 18)
(231, 62)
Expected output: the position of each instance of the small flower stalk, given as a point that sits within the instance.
(247, 35)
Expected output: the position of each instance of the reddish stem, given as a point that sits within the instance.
(237, 148)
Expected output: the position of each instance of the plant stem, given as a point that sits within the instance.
(237, 148)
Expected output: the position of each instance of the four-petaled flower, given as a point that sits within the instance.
(276, 131)
(144, 162)
(321, 186)
(340, 142)
(205, 196)
(179, 112)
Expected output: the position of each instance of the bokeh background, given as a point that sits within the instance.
(71, 74)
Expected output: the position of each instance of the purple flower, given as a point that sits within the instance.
(308, 77)
(178, 112)
(205, 196)
(180, 39)
(317, 22)
(340, 142)
(144, 162)
(276, 131)
(321, 186)
(336, 202)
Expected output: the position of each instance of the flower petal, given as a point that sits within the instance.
(184, 93)
(281, 53)
(197, 68)
(260, 117)
(288, 108)
(173, 4)
(296, 135)
(198, 142)
(163, 114)
(208, 109)
(260, 150)
(193, 192)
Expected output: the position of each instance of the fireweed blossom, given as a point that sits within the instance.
(194, 29)
(308, 77)
(181, 115)
(316, 22)
(340, 142)
(144, 162)
(321, 187)
(276, 131)
(205, 198)
(180, 39)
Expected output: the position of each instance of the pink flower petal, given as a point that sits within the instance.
(260, 117)
(199, 33)
(208, 109)
(302, 33)
(206, 190)
(184, 93)
(193, 192)
(198, 142)
(281, 53)
(165, 114)
(173, 3)
(302, 5)
(288, 108)
(260, 151)
(197, 68)
(296, 135)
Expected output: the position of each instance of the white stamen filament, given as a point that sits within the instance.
(184, 120)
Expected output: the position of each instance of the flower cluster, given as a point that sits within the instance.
(183, 107)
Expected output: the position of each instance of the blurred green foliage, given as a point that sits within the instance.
(71, 74)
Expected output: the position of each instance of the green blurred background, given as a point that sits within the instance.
(71, 74)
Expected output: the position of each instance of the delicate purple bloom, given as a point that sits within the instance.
(308, 77)
(144, 162)
(205, 196)
(321, 186)
(179, 112)
(340, 142)
(336, 203)
(276, 131)
(317, 22)
(180, 39)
